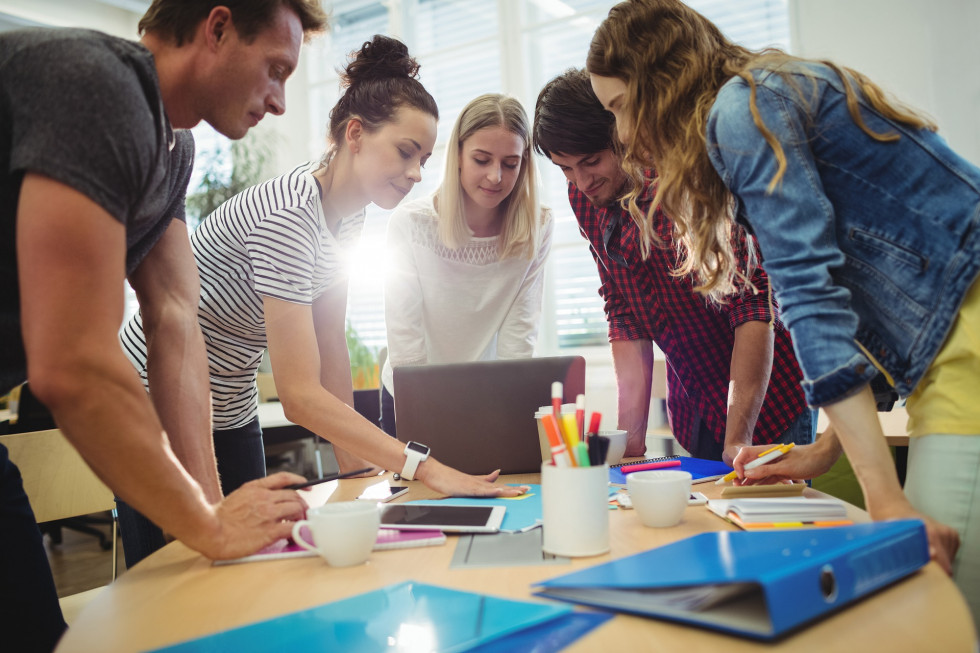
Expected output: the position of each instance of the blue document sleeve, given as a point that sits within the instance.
(759, 584)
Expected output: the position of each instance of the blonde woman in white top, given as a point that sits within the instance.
(465, 276)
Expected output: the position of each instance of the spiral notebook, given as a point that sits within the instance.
(701, 470)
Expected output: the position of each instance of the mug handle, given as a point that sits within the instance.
(298, 539)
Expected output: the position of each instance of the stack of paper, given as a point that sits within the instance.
(782, 512)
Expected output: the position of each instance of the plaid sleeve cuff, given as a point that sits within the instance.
(623, 329)
(750, 308)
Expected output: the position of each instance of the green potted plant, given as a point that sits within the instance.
(363, 362)
(220, 182)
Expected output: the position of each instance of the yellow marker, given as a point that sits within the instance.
(769, 454)
(570, 432)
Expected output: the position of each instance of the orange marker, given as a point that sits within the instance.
(559, 455)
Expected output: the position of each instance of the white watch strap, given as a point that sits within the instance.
(412, 460)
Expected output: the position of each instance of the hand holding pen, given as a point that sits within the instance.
(767, 455)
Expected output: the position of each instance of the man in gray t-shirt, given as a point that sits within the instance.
(94, 171)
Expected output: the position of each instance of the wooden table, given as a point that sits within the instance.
(176, 594)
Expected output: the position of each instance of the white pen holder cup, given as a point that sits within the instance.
(575, 510)
(343, 533)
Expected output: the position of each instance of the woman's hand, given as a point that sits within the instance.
(801, 462)
(451, 482)
(943, 540)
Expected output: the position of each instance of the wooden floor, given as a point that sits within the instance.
(79, 563)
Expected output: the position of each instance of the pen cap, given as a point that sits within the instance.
(575, 510)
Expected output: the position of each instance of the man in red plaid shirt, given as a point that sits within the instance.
(732, 377)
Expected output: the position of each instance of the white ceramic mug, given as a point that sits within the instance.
(617, 446)
(659, 496)
(343, 533)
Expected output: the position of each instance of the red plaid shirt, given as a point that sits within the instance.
(644, 302)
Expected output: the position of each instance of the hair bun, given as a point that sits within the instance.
(380, 58)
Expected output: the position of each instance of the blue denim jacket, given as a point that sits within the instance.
(864, 241)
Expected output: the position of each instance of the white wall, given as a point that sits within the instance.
(926, 52)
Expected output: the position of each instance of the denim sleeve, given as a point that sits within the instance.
(795, 229)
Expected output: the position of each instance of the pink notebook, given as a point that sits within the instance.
(388, 538)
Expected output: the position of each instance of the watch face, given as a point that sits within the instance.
(417, 447)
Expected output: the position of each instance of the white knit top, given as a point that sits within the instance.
(447, 305)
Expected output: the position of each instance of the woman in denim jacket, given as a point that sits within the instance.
(868, 224)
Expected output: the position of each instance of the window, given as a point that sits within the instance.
(464, 51)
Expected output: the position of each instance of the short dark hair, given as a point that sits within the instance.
(569, 119)
(177, 19)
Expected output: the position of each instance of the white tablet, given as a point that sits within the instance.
(450, 519)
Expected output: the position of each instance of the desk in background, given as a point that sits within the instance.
(176, 594)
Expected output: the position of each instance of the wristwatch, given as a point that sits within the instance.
(415, 454)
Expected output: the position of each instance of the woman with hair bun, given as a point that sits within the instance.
(272, 268)
(467, 262)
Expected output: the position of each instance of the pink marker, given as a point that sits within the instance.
(580, 415)
(642, 467)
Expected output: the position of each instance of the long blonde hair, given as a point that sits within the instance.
(673, 62)
(521, 222)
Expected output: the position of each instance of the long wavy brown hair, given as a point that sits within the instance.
(673, 62)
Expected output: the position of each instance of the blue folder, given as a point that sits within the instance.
(700, 468)
(757, 584)
(430, 617)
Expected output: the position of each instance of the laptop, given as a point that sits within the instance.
(478, 417)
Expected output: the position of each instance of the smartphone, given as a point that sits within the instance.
(697, 499)
(382, 492)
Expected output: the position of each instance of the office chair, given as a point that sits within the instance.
(28, 414)
(60, 485)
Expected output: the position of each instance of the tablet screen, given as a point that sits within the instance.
(446, 518)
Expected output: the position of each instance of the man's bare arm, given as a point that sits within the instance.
(71, 267)
(751, 368)
(633, 362)
(168, 289)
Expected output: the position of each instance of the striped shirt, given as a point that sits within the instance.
(270, 240)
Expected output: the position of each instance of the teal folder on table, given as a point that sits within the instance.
(405, 616)
(758, 584)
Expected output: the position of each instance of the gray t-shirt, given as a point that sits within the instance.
(84, 108)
